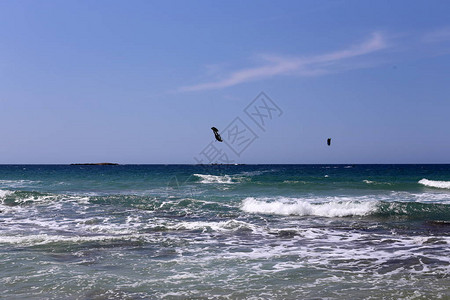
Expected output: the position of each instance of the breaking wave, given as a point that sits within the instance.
(298, 207)
(231, 225)
(347, 208)
(215, 178)
(414, 210)
(14, 198)
(435, 183)
(4, 193)
(17, 183)
(43, 239)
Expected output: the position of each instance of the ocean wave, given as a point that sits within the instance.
(376, 182)
(231, 179)
(231, 225)
(43, 239)
(17, 183)
(283, 206)
(435, 183)
(414, 210)
(14, 198)
(257, 172)
(4, 193)
(430, 197)
(294, 181)
(253, 173)
(215, 179)
(346, 207)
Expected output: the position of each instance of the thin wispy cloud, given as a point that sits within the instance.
(440, 35)
(300, 66)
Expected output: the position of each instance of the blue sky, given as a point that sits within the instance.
(143, 81)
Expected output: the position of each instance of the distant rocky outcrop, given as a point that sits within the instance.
(95, 164)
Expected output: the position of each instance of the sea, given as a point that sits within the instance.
(225, 231)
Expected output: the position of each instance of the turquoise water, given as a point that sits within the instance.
(225, 232)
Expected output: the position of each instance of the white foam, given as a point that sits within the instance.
(4, 193)
(253, 173)
(35, 199)
(231, 225)
(42, 239)
(16, 183)
(435, 183)
(256, 173)
(182, 276)
(375, 182)
(283, 206)
(293, 181)
(435, 197)
(215, 179)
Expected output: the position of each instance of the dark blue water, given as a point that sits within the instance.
(244, 231)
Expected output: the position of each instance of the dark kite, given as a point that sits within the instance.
(216, 134)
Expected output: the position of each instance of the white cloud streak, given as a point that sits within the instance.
(308, 66)
(440, 35)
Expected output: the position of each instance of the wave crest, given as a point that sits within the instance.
(435, 183)
(17, 198)
(17, 183)
(4, 193)
(231, 225)
(215, 178)
(303, 208)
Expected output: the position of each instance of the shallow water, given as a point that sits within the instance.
(249, 231)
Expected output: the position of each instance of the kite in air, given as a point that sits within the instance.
(216, 134)
(329, 142)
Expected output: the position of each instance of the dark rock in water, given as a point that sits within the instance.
(95, 164)
(285, 233)
(216, 164)
(439, 222)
